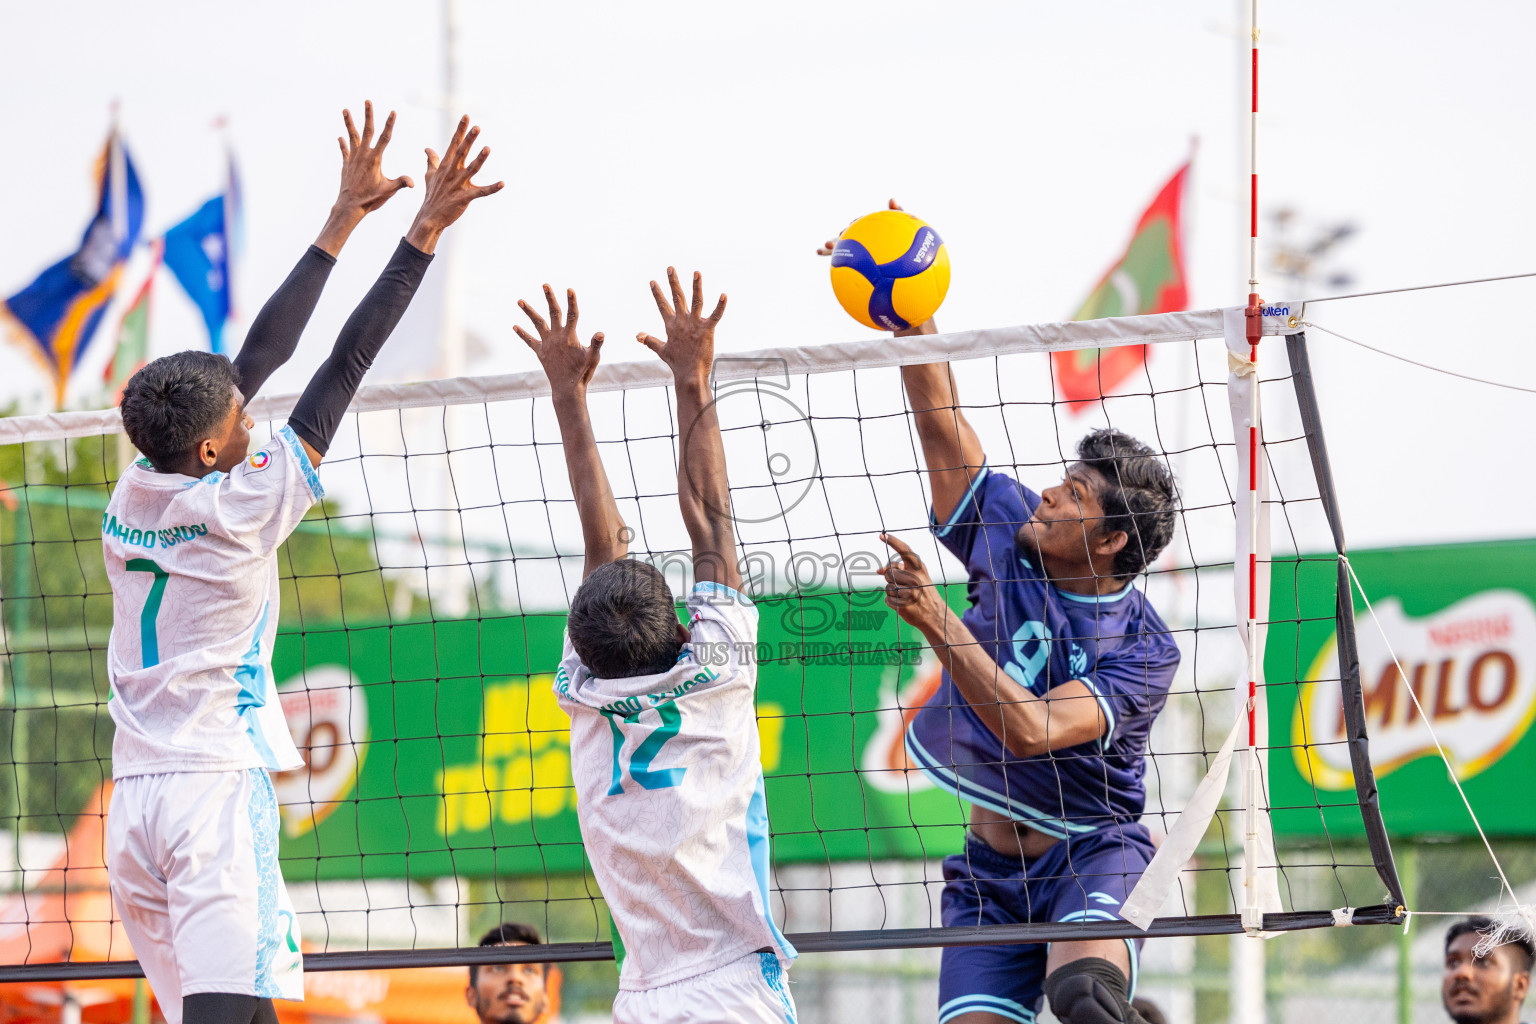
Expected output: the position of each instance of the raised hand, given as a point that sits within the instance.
(567, 363)
(909, 589)
(449, 189)
(364, 188)
(690, 346)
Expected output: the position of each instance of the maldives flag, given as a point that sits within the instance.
(1147, 278)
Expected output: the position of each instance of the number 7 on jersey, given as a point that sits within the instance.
(149, 639)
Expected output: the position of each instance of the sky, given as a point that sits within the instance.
(734, 138)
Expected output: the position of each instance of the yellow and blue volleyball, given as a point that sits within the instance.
(890, 270)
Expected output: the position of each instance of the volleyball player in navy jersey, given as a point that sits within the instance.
(1052, 678)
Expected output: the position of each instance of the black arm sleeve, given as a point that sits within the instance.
(330, 390)
(274, 334)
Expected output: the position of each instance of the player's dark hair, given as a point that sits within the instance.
(1140, 496)
(507, 934)
(1480, 925)
(176, 401)
(623, 621)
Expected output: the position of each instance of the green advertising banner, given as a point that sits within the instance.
(438, 748)
(1462, 621)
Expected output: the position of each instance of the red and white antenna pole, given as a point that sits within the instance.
(1252, 912)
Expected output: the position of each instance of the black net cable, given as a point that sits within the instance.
(805, 942)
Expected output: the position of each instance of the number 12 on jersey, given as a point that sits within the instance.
(640, 761)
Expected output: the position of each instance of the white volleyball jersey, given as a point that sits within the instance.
(669, 793)
(193, 568)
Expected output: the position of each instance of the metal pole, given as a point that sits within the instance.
(140, 1002)
(1253, 917)
(1246, 974)
(452, 352)
(1408, 877)
(457, 581)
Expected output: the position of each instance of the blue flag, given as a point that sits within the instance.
(60, 310)
(199, 252)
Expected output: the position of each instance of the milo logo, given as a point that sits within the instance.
(1470, 666)
(328, 717)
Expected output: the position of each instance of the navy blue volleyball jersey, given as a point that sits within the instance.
(1043, 637)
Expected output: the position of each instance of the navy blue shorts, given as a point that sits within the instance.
(1084, 878)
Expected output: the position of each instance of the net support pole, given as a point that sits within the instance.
(1252, 909)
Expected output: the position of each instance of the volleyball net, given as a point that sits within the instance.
(423, 610)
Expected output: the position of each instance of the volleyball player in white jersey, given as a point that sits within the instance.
(664, 744)
(191, 536)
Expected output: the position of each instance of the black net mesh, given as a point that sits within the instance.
(421, 623)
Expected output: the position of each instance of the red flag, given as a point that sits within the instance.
(1147, 278)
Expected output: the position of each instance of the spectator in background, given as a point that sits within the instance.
(1487, 989)
(514, 993)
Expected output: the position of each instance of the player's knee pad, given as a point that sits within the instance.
(1090, 991)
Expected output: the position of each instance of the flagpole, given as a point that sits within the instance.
(117, 174)
(1252, 913)
(453, 347)
(458, 579)
(117, 170)
(231, 212)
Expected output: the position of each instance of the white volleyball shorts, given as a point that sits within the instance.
(752, 990)
(192, 858)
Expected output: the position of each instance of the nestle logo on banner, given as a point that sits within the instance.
(1472, 667)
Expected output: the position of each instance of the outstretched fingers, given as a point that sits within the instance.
(678, 303)
(661, 302)
(465, 145)
(432, 159)
(387, 134)
(367, 122)
(571, 312)
(528, 339)
(352, 138)
(698, 294)
(651, 342)
(479, 162)
(714, 317)
(554, 307)
(538, 321)
(450, 155)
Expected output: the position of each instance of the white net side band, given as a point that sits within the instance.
(1153, 329)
